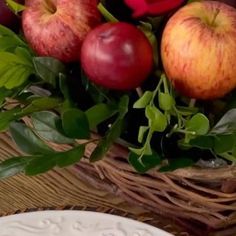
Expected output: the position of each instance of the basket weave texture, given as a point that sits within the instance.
(198, 195)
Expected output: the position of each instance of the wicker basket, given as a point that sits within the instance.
(205, 199)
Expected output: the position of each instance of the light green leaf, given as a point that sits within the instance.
(199, 123)
(166, 101)
(144, 100)
(157, 120)
(141, 133)
(7, 116)
(14, 6)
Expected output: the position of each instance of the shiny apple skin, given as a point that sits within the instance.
(117, 56)
(57, 28)
(199, 58)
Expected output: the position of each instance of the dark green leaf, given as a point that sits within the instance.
(224, 143)
(45, 125)
(26, 140)
(112, 134)
(75, 124)
(176, 164)
(48, 69)
(227, 124)
(40, 164)
(63, 85)
(70, 157)
(144, 163)
(13, 166)
(106, 142)
(144, 100)
(99, 113)
(4, 93)
(203, 142)
(39, 104)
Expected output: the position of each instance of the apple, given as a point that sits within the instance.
(117, 56)
(7, 17)
(198, 49)
(57, 28)
(229, 2)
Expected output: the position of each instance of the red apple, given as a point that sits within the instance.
(7, 17)
(198, 49)
(57, 28)
(117, 56)
(229, 2)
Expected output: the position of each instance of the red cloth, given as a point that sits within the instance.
(152, 7)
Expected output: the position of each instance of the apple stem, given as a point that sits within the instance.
(192, 102)
(214, 17)
(139, 91)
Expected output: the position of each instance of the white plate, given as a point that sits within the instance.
(74, 223)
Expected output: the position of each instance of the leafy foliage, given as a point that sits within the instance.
(57, 116)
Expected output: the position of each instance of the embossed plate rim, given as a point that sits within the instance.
(51, 222)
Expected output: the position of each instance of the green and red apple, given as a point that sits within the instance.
(57, 28)
(198, 49)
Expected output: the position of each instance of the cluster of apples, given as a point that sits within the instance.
(198, 46)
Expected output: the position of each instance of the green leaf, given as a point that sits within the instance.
(4, 31)
(141, 133)
(157, 120)
(25, 55)
(48, 69)
(14, 6)
(227, 124)
(4, 93)
(63, 85)
(199, 123)
(43, 163)
(166, 101)
(46, 126)
(8, 42)
(144, 163)
(123, 106)
(144, 100)
(187, 111)
(7, 117)
(39, 104)
(70, 157)
(224, 143)
(176, 164)
(114, 132)
(137, 151)
(13, 166)
(203, 142)
(106, 142)
(26, 140)
(99, 113)
(40, 164)
(75, 124)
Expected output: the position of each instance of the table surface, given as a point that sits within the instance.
(63, 189)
